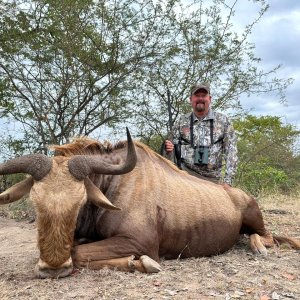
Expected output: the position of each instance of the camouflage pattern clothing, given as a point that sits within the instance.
(223, 145)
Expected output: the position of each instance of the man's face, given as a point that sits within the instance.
(200, 101)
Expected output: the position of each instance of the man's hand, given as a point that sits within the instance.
(169, 146)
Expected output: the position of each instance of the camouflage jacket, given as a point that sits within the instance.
(222, 146)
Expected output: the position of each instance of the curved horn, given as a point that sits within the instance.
(81, 166)
(96, 196)
(37, 165)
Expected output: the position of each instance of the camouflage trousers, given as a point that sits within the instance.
(193, 173)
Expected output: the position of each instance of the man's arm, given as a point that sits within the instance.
(173, 136)
(230, 151)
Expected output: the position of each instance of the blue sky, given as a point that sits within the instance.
(277, 41)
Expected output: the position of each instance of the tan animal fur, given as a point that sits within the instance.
(163, 212)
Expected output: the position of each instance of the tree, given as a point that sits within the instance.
(201, 46)
(73, 67)
(64, 64)
(268, 161)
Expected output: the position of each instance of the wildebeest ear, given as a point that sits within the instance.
(17, 191)
(97, 197)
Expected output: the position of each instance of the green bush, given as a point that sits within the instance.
(19, 210)
(261, 178)
(268, 160)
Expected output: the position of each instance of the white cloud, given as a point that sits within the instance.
(277, 41)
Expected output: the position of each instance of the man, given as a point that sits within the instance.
(203, 138)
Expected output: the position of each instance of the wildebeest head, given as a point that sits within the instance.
(58, 188)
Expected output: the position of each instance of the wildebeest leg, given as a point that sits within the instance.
(258, 243)
(115, 252)
(128, 264)
(253, 224)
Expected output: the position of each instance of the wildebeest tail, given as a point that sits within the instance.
(293, 242)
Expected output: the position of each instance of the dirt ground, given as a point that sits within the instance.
(236, 274)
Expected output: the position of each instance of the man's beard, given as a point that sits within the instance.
(200, 106)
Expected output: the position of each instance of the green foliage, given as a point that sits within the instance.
(68, 68)
(19, 210)
(7, 181)
(12, 146)
(268, 162)
(200, 44)
(65, 65)
(155, 143)
(261, 178)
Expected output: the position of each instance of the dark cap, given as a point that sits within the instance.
(200, 86)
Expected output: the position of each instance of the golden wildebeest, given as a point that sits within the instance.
(130, 206)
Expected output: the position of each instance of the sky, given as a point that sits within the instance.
(277, 41)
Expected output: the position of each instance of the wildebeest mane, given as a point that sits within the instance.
(86, 146)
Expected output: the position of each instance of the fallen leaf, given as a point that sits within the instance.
(249, 290)
(264, 297)
(288, 276)
(263, 281)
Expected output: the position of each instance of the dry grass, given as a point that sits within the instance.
(280, 211)
(236, 274)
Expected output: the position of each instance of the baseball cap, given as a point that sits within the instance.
(200, 86)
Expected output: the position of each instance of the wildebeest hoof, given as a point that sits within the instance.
(150, 265)
(257, 244)
(260, 251)
(263, 251)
